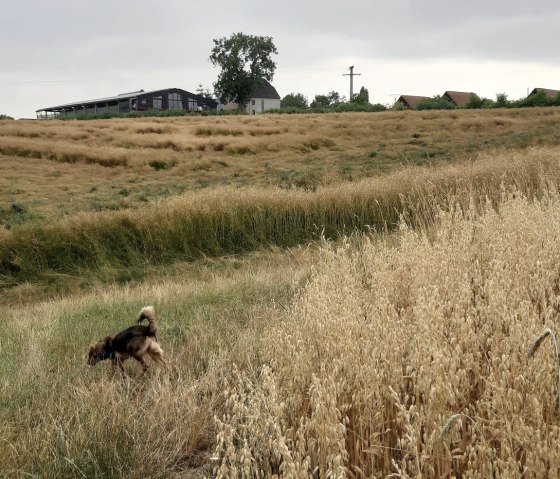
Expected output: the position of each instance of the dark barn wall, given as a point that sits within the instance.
(140, 102)
(189, 101)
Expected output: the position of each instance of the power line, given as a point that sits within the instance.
(351, 75)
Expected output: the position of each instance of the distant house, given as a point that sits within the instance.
(168, 99)
(410, 101)
(549, 93)
(458, 98)
(263, 97)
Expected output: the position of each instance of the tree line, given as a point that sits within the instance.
(438, 102)
(332, 101)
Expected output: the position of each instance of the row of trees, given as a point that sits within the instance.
(475, 102)
(333, 101)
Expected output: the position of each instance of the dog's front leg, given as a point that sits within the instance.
(117, 363)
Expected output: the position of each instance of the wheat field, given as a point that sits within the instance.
(55, 169)
(398, 320)
(405, 356)
(411, 360)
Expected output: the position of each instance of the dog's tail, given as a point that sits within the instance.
(149, 313)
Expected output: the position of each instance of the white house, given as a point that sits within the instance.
(264, 97)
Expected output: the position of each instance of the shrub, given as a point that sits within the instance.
(475, 102)
(540, 98)
(502, 101)
(294, 100)
(435, 103)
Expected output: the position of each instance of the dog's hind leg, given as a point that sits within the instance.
(140, 359)
(156, 353)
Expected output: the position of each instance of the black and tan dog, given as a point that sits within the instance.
(138, 342)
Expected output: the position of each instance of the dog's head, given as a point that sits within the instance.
(99, 351)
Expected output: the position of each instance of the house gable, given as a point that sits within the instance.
(547, 91)
(458, 98)
(411, 101)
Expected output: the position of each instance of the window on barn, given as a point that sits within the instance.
(158, 102)
(175, 102)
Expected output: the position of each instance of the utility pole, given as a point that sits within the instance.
(351, 75)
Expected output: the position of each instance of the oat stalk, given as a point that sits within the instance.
(450, 423)
(536, 344)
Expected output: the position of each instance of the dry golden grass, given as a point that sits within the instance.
(109, 245)
(411, 361)
(60, 417)
(408, 356)
(120, 163)
(417, 354)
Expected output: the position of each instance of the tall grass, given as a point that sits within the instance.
(410, 361)
(228, 220)
(60, 417)
(404, 356)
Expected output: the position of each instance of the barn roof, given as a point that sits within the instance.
(548, 92)
(120, 96)
(459, 98)
(411, 100)
(263, 89)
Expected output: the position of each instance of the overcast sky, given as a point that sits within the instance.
(60, 51)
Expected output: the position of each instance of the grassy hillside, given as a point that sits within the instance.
(367, 313)
(54, 169)
(110, 245)
(73, 215)
(408, 357)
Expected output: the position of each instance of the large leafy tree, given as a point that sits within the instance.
(245, 60)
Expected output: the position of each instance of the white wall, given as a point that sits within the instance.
(258, 105)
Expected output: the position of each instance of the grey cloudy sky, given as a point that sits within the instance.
(59, 51)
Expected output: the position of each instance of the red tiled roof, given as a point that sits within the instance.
(549, 93)
(410, 101)
(459, 98)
